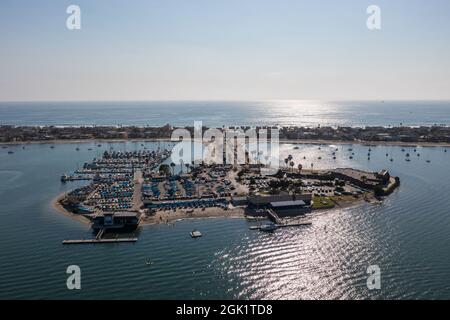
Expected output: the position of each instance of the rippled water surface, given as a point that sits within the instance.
(217, 113)
(407, 236)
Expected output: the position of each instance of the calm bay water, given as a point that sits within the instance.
(216, 113)
(407, 236)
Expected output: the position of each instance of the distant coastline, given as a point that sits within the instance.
(402, 135)
(286, 141)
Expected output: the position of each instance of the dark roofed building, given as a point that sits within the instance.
(115, 220)
(285, 205)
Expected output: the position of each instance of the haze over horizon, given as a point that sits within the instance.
(224, 50)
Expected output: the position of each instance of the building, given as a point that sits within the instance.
(290, 208)
(115, 220)
(285, 205)
(239, 201)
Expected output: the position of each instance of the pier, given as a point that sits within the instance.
(99, 241)
(274, 216)
(287, 225)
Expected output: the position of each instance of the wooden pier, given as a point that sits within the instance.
(272, 215)
(100, 241)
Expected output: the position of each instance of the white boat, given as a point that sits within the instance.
(195, 234)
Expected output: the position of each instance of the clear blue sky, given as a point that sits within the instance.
(224, 49)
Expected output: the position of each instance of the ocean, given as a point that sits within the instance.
(219, 113)
(407, 235)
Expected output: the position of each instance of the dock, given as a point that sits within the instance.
(288, 225)
(99, 241)
(272, 215)
(137, 194)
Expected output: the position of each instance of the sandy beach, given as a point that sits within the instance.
(160, 216)
(56, 205)
(171, 216)
(167, 217)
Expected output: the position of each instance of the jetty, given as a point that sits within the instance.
(285, 225)
(99, 241)
(273, 216)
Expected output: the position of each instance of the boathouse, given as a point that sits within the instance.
(115, 220)
(285, 205)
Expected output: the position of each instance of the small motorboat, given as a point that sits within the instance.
(195, 234)
(65, 178)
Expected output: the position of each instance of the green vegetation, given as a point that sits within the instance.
(164, 170)
(322, 203)
(378, 191)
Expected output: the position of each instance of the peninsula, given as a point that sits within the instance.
(126, 189)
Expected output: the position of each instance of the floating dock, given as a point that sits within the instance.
(99, 241)
(300, 224)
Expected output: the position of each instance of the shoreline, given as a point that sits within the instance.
(56, 205)
(181, 215)
(170, 217)
(282, 141)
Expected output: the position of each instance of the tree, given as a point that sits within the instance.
(164, 169)
(378, 191)
(173, 168)
(292, 165)
(300, 167)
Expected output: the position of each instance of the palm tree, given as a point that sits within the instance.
(300, 167)
(312, 166)
(292, 164)
(173, 168)
(187, 165)
(286, 161)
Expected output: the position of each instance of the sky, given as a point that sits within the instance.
(224, 50)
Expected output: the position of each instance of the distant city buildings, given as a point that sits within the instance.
(433, 134)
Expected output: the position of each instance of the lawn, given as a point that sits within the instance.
(322, 203)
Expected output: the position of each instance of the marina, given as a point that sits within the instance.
(128, 189)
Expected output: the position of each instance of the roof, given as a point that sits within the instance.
(120, 214)
(263, 200)
(239, 198)
(287, 203)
